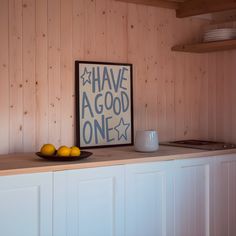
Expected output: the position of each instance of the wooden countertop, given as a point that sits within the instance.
(23, 163)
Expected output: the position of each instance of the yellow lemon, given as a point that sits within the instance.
(48, 149)
(63, 151)
(75, 151)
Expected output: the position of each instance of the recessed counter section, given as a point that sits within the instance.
(23, 163)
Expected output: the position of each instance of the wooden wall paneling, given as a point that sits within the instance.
(166, 60)
(227, 101)
(233, 89)
(191, 92)
(78, 29)
(170, 80)
(117, 45)
(181, 95)
(225, 93)
(191, 89)
(161, 94)
(67, 75)
(54, 77)
(212, 65)
(41, 74)
(28, 67)
(90, 30)
(203, 97)
(151, 77)
(180, 67)
(220, 96)
(195, 93)
(198, 91)
(101, 30)
(187, 96)
(144, 78)
(133, 46)
(137, 51)
(15, 73)
(4, 78)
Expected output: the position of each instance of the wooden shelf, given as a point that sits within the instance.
(206, 47)
(172, 4)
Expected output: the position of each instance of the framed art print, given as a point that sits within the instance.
(104, 104)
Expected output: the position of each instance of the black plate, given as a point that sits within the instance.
(55, 157)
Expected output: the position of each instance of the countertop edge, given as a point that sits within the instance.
(122, 161)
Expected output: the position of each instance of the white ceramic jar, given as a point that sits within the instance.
(146, 141)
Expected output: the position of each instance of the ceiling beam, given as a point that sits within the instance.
(172, 4)
(197, 7)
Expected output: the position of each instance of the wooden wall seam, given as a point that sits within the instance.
(4, 76)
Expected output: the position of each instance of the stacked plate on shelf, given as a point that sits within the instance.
(219, 34)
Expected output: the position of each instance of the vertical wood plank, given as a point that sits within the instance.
(232, 91)
(101, 31)
(212, 65)
(137, 56)
(4, 78)
(89, 30)
(28, 65)
(151, 78)
(54, 77)
(78, 26)
(203, 98)
(132, 31)
(169, 75)
(165, 80)
(15, 73)
(66, 73)
(220, 96)
(41, 74)
(117, 45)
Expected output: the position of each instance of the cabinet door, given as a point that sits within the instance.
(225, 195)
(148, 199)
(89, 202)
(193, 197)
(26, 205)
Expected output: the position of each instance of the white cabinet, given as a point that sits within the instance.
(26, 205)
(148, 199)
(225, 196)
(89, 202)
(169, 198)
(193, 197)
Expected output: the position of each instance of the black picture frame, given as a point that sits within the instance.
(128, 134)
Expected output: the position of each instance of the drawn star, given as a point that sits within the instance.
(121, 129)
(86, 76)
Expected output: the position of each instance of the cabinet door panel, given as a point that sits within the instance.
(147, 193)
(192, 194)
(225, 196)
(95, 202)
(26, 205)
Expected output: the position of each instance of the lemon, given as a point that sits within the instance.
(75, 151)
(63, 151)
(48, 149)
